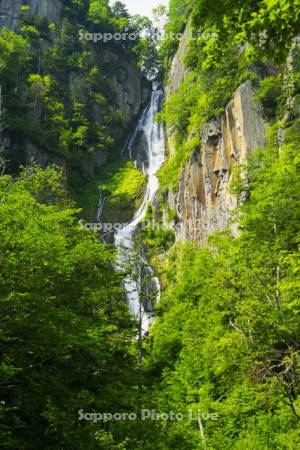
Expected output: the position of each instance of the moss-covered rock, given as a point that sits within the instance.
(122, 186)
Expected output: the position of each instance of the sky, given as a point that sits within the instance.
(143, 7)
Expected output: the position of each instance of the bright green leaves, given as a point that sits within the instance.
(269, 26)
(57, 88)
(65, 334)
(98, 11)
(123, 185)
(13, 49)
(270, 94)
(278, 20)
(227, 330)
(177, 18)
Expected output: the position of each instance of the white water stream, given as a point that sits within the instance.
(154, 134)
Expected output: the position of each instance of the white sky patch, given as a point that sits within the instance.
(142, 7)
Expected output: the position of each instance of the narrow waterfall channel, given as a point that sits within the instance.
(154, 134)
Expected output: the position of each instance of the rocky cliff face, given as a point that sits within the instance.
(127, 90)
(203, 201)
(178, 71)
(10, 10)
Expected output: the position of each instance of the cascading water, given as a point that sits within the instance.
(154, 134)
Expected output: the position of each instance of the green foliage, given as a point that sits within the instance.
(98, 11)
(14, 51)
(122, 186)
(170, 172)
(226, 336)
(270, 95)
(65, 334)
(201, 97)
(227, 41)
(157, 237)
(269, 26)
(178, 13)
(58, 91)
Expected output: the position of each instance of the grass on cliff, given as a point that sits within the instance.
(123, 187)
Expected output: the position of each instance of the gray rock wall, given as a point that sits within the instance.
(203, 202)
(129, 91)
(10, 10)
(129, 87)
(178, 71)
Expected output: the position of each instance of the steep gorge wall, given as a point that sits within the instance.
(127, 90)
(10, 10)
(129, 93)
(203, 202)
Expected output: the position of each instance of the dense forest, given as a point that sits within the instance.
(219, 366)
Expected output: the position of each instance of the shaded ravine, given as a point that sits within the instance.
(154, 134)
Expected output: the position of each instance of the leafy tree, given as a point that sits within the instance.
(65, 334)
(119, 10)
(226, 336)
(98, 11)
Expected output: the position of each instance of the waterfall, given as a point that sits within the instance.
(100, 207)
(154, 133)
